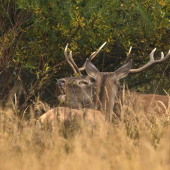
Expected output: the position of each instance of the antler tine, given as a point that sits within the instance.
(92, 56)
(128, 54)
(152, 61)
(67, 59)
(130, 49)
(96, 52)
(151, 55)
(162, 55)
(73, 63)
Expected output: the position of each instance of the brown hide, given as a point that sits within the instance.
(149, 103)
(154, 102)
(66, 115)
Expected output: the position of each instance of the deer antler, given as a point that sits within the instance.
(93, 55)
(67, 59)
(96, 52)
(151, 62)
(128, 54)
(73, 64)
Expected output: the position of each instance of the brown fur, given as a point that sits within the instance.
(66, 115)
(150, 103)
(155, 102)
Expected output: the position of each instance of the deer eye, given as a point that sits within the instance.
(92, 79)
(83, 83)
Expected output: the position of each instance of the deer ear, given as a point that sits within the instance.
(91, 70)
(123, 71)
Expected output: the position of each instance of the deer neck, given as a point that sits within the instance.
(106, 96)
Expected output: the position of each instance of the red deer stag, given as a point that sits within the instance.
(96, 90)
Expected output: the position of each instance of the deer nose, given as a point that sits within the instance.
(61, 82)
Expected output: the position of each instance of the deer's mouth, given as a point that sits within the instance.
(62, 91)
(62, 97)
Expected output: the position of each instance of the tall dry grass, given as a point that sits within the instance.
(137, 141)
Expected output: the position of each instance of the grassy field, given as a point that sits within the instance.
(136, 142)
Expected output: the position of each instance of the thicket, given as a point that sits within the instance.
(33, 35)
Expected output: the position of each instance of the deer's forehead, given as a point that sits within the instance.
(83, 77)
